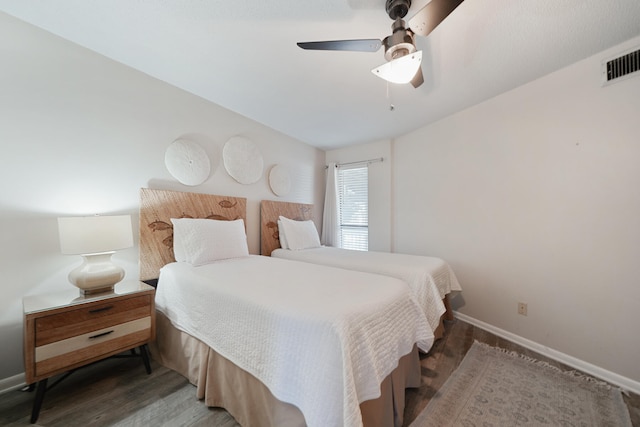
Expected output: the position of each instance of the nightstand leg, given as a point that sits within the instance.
(37, 403)
(145, 358)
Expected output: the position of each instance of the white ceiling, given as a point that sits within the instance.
(243, 56)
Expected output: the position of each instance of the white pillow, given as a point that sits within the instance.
(300, 234)
(281, 236)
(202, 241)
(178, 247)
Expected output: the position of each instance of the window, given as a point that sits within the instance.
(353, 207)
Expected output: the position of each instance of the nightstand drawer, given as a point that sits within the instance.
(85, 321)
(80, 342)
(51, 357)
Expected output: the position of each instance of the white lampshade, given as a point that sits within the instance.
(400, 70)
(94, 234)
(95, 238)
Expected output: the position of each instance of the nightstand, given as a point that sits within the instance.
(67, 330)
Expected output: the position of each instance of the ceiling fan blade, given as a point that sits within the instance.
(418, 79)
(362, 45)
(430, 16)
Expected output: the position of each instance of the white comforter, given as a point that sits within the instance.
(429, 278)
(320, 338)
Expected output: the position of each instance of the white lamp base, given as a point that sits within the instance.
(96, 274)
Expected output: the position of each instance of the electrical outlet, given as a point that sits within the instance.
(522, 308)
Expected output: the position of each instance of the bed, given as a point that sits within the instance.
(276, 342)
(431, 279)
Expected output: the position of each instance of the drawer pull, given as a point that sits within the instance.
(101, 335)
(98, 310)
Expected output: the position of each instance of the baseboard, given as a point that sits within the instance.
(12, 383)
(624, 383)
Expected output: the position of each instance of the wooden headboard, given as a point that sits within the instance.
(157, 207)
(270, 211)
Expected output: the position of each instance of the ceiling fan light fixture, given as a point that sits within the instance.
(400, 70)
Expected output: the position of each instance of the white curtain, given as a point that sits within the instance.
(330, 222)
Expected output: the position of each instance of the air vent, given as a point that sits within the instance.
(625, 65)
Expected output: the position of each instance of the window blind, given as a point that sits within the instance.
(353, 201)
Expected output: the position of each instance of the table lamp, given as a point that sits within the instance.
(96, 238)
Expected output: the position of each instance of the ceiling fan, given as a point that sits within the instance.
(400, 51)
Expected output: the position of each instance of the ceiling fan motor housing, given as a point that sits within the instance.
(400, 42)
(397, 8)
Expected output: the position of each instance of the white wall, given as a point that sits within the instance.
(81, 134)
(534, 196)
(379, 188)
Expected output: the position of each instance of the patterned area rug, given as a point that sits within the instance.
(493, 387)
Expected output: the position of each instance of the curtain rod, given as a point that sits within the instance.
(368, 162)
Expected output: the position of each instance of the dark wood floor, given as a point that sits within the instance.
(119, 392)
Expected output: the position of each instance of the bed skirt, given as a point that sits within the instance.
(220, 383)
(448, 316)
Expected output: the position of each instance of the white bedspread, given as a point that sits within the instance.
(320, 338)
(429, 278)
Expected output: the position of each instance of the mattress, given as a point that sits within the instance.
(320, 338)
(429, 278)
